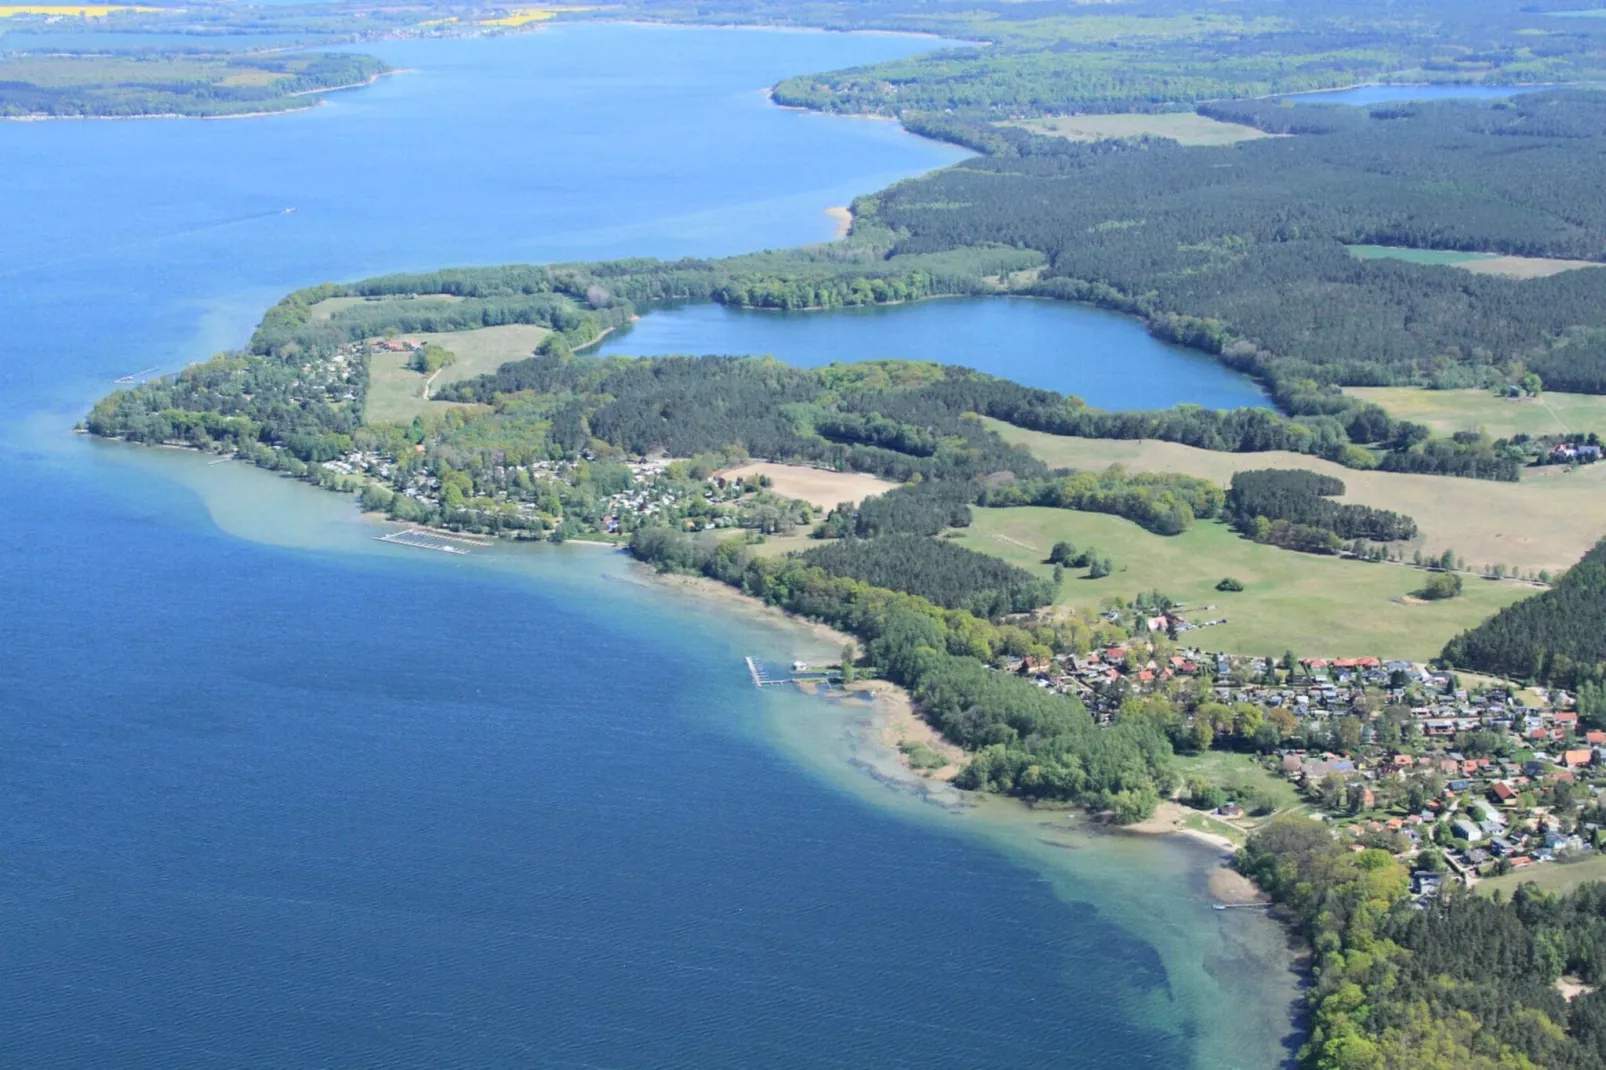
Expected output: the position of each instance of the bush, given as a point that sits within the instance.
(1229, 584)
(1440, 585)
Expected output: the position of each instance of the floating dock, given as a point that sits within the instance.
(766, 676)
(423, 540)
(130, 380)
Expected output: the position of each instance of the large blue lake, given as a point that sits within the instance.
(275, 794)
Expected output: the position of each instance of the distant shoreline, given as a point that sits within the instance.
(316, 93)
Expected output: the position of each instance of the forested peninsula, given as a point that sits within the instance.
(1242, 251)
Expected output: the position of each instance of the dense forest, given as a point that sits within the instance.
(1294, 508)
(1240, 250)
(1557, 637)
(940, 572)
(1028, 741)
(1466, 984)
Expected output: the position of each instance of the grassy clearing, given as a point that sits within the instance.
(1547, 521)
(395, 391)
(1430, 257)
(1449, 411)
(1200, 822)
(1525, 267)
(1318, 606)
(1511, 267)
(330, 305)
(1552, 877)
(813, 485)
(1184, 127)
(1238, 773)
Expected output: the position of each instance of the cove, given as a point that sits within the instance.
(274, 793)
(1108, 360)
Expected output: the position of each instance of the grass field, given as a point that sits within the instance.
(1552, 877)
(1511, 267)
(330, 305)
(1314, 605)
(1547, 521)
(1238, 773)
(1449, 411)
(395, 391)
(1184, 127)
(813, 485)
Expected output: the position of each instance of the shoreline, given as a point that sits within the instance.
(317, 102)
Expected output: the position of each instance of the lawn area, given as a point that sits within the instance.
(1449, 411)
(1511, 267)
(1315, 605)
(395, 391)
(1238, 773)
(817, 486)
(1551, 876)
(1432, 257)
(1201, 822)
(1184, 127)
(1547, 521)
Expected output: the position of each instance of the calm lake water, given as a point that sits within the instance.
(1110, 361)
(274, 794)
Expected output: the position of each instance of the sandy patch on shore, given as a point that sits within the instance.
(819, 642)
(899, 723)
(1167, 821)
(817, 486)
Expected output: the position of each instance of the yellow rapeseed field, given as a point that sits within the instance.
(88, 11)
(521, 16)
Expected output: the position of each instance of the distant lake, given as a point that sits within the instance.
(1108, 360)
(1366, 95)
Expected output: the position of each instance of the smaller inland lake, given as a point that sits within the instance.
(1107, 359)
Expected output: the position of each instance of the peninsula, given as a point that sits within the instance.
(1465, 706)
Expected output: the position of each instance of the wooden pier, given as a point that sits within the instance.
(421, 539)
(763, 676)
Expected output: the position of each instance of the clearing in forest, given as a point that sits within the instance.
(816, 486)
(396, 392)
(1449, 411)
(1547, 521)
(1317, 606)
(1511, 267)
(1183, 127)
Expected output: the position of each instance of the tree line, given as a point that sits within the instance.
(1556, 637)
(939, 571)
(1029, 741)
(1468, 983)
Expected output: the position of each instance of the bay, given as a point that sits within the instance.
(273, 793)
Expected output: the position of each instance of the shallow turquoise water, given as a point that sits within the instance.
(274, 794)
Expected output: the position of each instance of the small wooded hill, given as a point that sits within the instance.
(1304, 498)
(1557, 637)
(938, 571)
